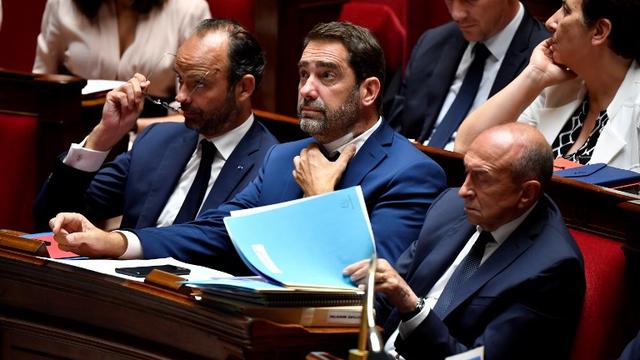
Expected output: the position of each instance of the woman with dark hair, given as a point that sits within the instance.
(114, 39)
(581, 88)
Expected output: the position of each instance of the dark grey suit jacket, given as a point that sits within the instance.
(432, 67)
(524, 302)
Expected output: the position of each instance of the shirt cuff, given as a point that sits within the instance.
(84, 159)
(134, 247)
(406, 327)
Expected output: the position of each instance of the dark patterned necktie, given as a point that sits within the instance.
(463, 101)
(463, 272)
(193, 201)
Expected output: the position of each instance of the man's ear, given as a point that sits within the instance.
(369, 91)
(530, 193)
(601, 30)
(244, 87)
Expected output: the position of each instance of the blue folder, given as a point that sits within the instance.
(600, 174)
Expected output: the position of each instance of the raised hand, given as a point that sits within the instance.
(317, 175)
(75, 233)
(543, 65)
(119, 114)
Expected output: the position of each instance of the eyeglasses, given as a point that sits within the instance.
(194, 87)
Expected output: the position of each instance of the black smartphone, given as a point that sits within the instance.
(142, 271)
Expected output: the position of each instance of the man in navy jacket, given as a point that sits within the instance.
(341, 74)
(442, 57)
(148, 184)
(494, 264)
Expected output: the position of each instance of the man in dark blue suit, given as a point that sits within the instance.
(443, 56)
(341, 74)
(632, 350)
(219, 67)
(494, 264)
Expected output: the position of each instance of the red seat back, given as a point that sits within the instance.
(607, 320)
(18, 161)
(241, 11)
(20, 28)
(382, 21)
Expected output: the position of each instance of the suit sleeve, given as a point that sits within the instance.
(537, 323)
(406, 199)
(97, 195)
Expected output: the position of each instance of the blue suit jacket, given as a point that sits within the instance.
(432, 68)
(632, 350)
(398, 182)
(524, 302)
(138, 183)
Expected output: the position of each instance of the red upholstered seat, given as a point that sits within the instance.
(386, 26)
(18, 162)
(239, 10)
(607, 320)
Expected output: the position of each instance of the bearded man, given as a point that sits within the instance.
(341, 74)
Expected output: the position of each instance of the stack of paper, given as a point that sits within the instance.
(299, 249)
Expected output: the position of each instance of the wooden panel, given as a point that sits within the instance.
(53, 310)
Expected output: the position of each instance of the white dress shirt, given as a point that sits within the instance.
(497, 45)
(499, 235)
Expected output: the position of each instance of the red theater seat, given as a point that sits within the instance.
(607, 317)
(386, 26)
(18, 162)
(239, 10)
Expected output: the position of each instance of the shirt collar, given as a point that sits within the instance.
(341, 143)
(503, 232)
(227, 142)
(499, 43)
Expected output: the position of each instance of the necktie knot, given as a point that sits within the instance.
(331, 156)
(208, 150)
(480, 52)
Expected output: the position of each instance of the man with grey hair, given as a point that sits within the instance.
(494, 264)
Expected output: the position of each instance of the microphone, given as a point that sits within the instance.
(369, 337)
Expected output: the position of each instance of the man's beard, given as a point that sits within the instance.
(331, 122)
(214, 122)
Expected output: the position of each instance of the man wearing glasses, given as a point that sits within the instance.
(174, 170)
(341, 75)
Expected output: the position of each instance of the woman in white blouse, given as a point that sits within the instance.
(114, 39)
(581, 88)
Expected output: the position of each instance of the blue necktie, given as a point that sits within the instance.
(192, 202)
(463, 272)
(463, 101)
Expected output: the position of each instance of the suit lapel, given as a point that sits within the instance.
(241, 161)
(516, 56)
(170, 167)
(368, 157)
(514, 246)
(442, 77)
(436, 263)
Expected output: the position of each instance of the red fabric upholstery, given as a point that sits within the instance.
(605, 325)
(18, 186)
(18, 34)
(399, 7)
(384, 23)
(239, 10)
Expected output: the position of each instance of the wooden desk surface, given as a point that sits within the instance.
(54, 310)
